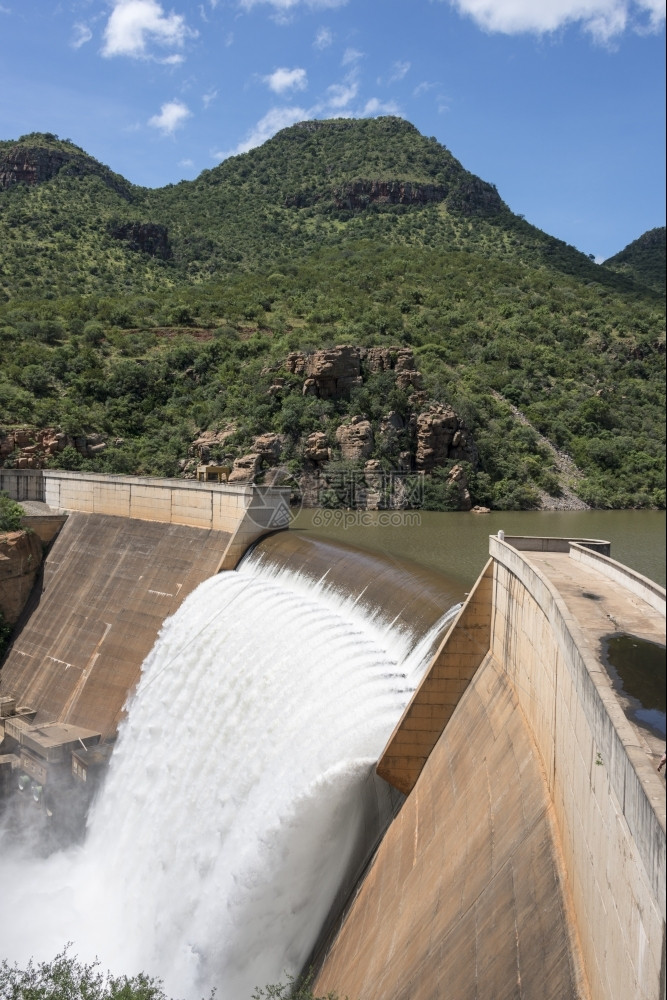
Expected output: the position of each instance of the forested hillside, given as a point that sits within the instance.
(142, 331)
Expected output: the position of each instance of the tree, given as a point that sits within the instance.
(11, 513)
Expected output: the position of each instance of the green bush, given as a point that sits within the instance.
(11, 513)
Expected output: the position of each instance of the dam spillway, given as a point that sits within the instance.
(526, 861)
(241, 797)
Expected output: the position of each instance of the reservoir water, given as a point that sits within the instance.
(457, 545)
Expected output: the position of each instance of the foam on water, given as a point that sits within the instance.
(235, 796)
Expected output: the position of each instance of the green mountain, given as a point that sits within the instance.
(644, 260)
(146, 319)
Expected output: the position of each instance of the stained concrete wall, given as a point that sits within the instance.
(451, 670)
(466, 896)
(605, 794)
(108, 585)
(529, 858)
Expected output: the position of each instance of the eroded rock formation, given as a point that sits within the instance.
(31, 448)
(355, 439)
(441, 436)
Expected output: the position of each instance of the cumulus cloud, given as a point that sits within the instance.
(284, 79)
(172, 115)
(323, 38)
(135, 24)
(81, 35)
(339, 95)
(374, 106)
(604, 19)
(272, 122)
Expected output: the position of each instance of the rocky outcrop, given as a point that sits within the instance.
(31, 448)
(355, 439)
(332, 373)
(266, 452)
(36, 162)
(466, 195)
(245, 468)
(316, 448)
(150, 238)
(207, 441)
(20, 559)
(441, 436)
(457, 477)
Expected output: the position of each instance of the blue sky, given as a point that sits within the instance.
(560, 103)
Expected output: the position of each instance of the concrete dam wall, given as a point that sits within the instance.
(529, 857)
(128, 553)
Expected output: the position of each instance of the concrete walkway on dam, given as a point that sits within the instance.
(528, 859)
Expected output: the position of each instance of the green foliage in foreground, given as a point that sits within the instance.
(66, 978)
(10, 513)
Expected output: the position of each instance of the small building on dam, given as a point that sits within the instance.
(526, 858)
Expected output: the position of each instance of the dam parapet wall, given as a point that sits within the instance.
(245, 513)
(542, 702)
(609, 803)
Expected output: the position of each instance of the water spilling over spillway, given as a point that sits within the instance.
(241, 795)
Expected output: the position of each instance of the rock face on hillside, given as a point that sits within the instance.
(355, 439)
(441, 435)
(33, 163)
(20, 559)
(329, 374)
(31, 448)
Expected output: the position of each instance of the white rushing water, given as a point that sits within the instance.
(237, 793)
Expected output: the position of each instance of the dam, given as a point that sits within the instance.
(415, 804)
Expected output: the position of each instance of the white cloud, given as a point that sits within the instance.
(604, 19)
(186, 163)
(272, 122)
(351, 56)
(134, 24)
(376, 107)
(400, 69)
(82, 34)
(285, 5)
(284, 79)
(172, 115)
(207, 99)
(339, 95)
(323, 38)
(423, 88)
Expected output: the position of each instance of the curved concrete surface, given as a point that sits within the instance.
(466, 896)
(406, 593)
(528, 860)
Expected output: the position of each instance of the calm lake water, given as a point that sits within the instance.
(457, 545)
